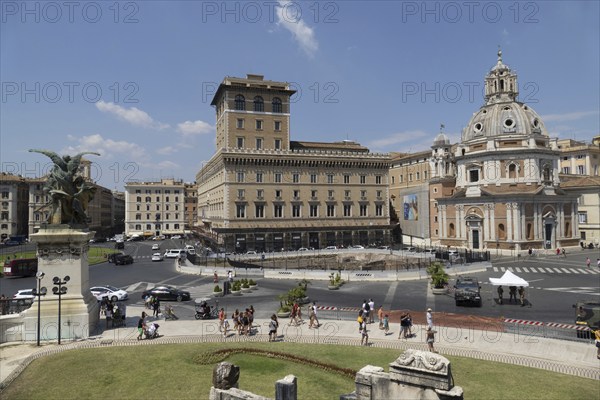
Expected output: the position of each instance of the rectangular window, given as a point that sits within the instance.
(259, 124)
(346, 179)
(259, 143)
(393, 180)
(418, 176)
(401, 177)
(240, 211)
(277, 126)
(278, 211)
(295, 178)
(581, 169)
(425, 175)
(378, 194)
(378, 210)
(313, 194)
(330, 194)
(378, 180)
(313, 178)
(260, 194)
(240, 142)
(331, 210)
(240, 177)
(259, 177)
(278, 194)
(277, 144)
(240, 123)
(346, 193)
(566, 170)
(314, 210)
(241, 193)
(296, 211)
(474, 175)
(329, 178)
(363, 179)
(259, 211)
(277, 177)
(363, 210)
(347, 210)
(296, 194)
(410, 177)
(583, 217)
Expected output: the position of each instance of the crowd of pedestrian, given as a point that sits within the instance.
(114, 313)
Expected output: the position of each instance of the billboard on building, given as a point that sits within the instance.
(411, 208)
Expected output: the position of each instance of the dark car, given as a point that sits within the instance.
(467, 291)
(122, 259)
(111, 257)
(119, 245)
(165, 292)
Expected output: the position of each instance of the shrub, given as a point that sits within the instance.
(439, 277)
(217, 289)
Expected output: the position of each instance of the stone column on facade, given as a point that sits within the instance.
(574, 221)
(63, 251)
(523, 223)
(444, 222)
(486, 223)
(492, 208)
(561, 222)
(516, 222)
(440, 224)
(460, 221)
(509, 221)
(536, 221)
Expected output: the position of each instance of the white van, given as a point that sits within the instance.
(175, 253)
(190, 249)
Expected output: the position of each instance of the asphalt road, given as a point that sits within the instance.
(556, 284)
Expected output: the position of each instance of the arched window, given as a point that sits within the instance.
(529, 231)
(259, 104)
(277, 105)
(546, 176)
(512, 171)
(138, 199)
(148, 199)
(501, 232)
(138, 227)
(451, 230)
(240, 102)
(567, 229)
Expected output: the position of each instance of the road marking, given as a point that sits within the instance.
(525, 269)
(387, 302)
(518, 269)
(510, 269)
(495, 269)
(566, 270)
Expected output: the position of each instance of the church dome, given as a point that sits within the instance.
(441, 140)
(503, 114)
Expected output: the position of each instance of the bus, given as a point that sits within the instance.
(21, 267)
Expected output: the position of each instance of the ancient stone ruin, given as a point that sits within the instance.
(414, 375)
(419, 375)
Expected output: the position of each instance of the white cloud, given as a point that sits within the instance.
(568, 116)
(132, 115)
(108, 148)
(289, 16)
(392, 142)
(165, 151)
(189, 128)
(167, 165)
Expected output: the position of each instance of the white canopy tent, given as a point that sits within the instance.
(509, 279)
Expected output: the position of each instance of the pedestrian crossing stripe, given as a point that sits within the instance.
(548, 270)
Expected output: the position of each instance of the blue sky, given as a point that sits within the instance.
(133, 80)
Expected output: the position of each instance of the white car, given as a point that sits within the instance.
(251, 252)
(331, 248)
(190, 249)
(110, 292)
(175, 253)
(156, 246)
(302, 249)
(157, 257)
(176, 237)
(357, 246)
(24, 296)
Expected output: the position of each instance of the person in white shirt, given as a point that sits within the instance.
(429, 318)
(371, 310)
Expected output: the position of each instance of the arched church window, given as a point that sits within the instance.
(501, 232)
(546, 174)
(501, 84)
(277, 105)
(512, 171)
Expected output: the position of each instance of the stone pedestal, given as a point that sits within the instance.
(63, 251)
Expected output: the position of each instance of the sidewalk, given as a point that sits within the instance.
(573, 358)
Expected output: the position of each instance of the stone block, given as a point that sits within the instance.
(422, 368)
(286, 388)
(225, 376)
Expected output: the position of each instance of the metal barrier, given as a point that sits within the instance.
(14, 306)
(550, 330)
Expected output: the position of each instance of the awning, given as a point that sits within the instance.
(509, 279)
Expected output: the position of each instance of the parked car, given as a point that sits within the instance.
(123, 259)
(331, 248)
(467, 290)
(190, 249)
(302, 249)
(156, 246)
(357, 246)
(119, 245)
(111, 292)
(176, 237)
(157, 257)
(251, 252)
(165, 292)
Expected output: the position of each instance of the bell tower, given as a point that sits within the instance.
(501, 83)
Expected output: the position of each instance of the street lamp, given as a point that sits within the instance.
(59, 290)
(39, 292)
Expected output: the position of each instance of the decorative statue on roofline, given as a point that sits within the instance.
(70, 193)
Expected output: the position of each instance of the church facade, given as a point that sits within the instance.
(499, 187)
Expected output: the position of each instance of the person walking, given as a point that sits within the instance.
(430, 339)
(141, 326)
(597, 341)
(588, 262)
(273, 325)
(314, 307)
(403, 326)
(380, 316)
(156, 307)
(386, 324)
(429, 318)
(311, 316)
(364, 339)
(360, 319)
(564, 252)
(221, 318)
(500, 293)
(512, 293)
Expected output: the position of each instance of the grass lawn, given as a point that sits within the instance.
(174, 372)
